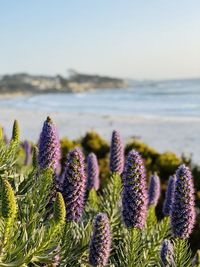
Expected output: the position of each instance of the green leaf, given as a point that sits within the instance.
(182, 253)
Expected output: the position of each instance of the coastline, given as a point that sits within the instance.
(40, 84)
(4, 96)
(12, 95)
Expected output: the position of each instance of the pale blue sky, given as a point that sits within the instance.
(129, 38)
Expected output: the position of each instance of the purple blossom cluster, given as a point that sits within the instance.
(55, 261)
(27, 149)
(166, 253)
(49, 146)
(93, 172)
(196, 259)
(134, 195)
(183, 208)
(154, 190)
(74, 185)
(100, 242)
(116, 153)
(169, 196)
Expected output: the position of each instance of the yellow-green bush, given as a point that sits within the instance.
(148, 153)
(93, 142)
(166, 164)
(66, 145)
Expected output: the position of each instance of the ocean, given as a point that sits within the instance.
(158, 99)
(165, 114)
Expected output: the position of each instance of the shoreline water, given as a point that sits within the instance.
(166, 116)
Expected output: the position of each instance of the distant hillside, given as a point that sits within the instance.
(77, 82)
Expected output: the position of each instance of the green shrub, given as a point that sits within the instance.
(66, 146)
(166, 164)
(92, 142)
(104, 171)
(148, 153)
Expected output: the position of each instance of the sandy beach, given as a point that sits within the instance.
(180, 135)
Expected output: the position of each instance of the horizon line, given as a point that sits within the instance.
(104, 75)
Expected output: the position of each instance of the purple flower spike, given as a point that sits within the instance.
(100, 243)
(183, 208)
(93, 172)
(56, 261)
(116, 153)
(154, 190)
(196, 259)
(74, 185)
(169, 196)
(27, 149)
(166, 253)
(134, 195)
(49, 146)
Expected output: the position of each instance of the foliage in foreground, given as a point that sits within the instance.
(33, 226)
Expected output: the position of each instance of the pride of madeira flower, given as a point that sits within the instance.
(134, 195)
(9, 206)
(100, 242)
(74, 185)
(169, 196)
(154, 190)
(196, 259)
(116, 153)
(183, 208)
(49, 146)
(93, 172)
(59, 209)
(15, 131)
(166, 253)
